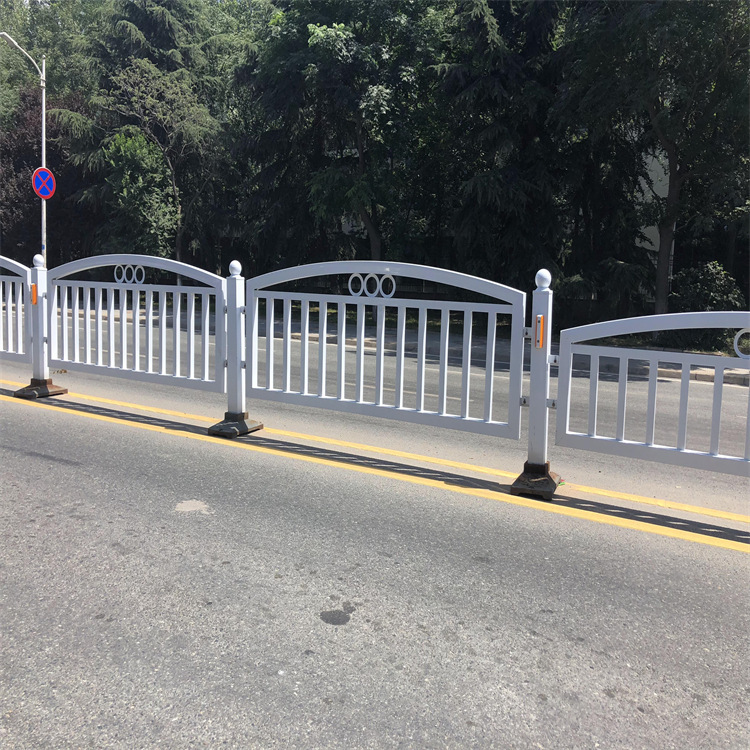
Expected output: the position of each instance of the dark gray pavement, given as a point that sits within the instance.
(161, 590)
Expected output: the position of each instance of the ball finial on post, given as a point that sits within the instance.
(543, 279)
(235, 268)
(38, 261)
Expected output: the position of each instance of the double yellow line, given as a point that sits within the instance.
(495, 495)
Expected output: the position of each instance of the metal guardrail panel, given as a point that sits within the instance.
(297, 355)
(647, 434)
(137, 330)
(15, 328)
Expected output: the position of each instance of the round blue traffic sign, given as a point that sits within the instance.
(43, 182)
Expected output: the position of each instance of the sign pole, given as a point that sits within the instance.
(44, 156)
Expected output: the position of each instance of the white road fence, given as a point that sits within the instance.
(139, 330)
(366, 351)
(392, 340)
(15, 328)
(613, 373)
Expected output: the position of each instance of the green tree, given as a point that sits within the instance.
(140, 200)
(166, 111)
(52, 29)
(156, 60)
(673, 76)
(503, 73)
(337, 85)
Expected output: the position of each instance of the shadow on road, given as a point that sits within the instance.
(392, 467)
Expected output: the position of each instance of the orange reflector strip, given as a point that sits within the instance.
(33, 294)
(539, 331)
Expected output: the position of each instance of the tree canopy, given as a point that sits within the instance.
(492, 137)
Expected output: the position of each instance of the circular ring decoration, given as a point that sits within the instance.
(129, 274)
(737, 343)
(372, 290)
(390, 278)
(361, 284)
(376, 290)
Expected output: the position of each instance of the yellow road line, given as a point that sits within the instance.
(666, 504)
(434, 483)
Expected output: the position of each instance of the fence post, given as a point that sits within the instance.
(235, 420)
(537, 479)
(41, 384)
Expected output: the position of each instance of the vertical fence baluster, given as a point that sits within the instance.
(322, 347)
(25, 319)
(253, 329)
(13, 307)
(400, 348)
(87, 323)
(379, 355)
(191, 335)
(19, 315)
(76, 292)
(421, 354)
(177, 331)
(163, 333)
(4, 311)
(205, 325)
(64, 321)
(52, 309)
(593, 392)
(270, 327)
(98, 326)
(136, 328)
(489, 365)
(287, 344)
(13, 318)
(716, 410)
(111, 327)
(466, 365)
(304, 342)
(149, 330)
(9, 313)
(445, 323)
(682, 423)
(622, 397)
(123, 328)
(653, 374)
(360, 368)
(7, 294)
(341, 349)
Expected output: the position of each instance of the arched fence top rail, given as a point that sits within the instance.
(127, 260)
(15, 267)
(648, 323)
(385, 268)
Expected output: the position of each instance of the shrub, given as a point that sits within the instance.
(701, 289)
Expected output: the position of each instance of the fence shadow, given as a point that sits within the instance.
(292, 448)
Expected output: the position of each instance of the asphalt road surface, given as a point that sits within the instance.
(333, 581)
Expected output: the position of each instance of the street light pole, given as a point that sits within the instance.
(43, 83)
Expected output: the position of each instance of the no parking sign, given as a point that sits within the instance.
(43, 182)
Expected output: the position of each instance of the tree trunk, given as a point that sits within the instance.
(732, 232)
(178, 236)
(666, 237)
(376, 241)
